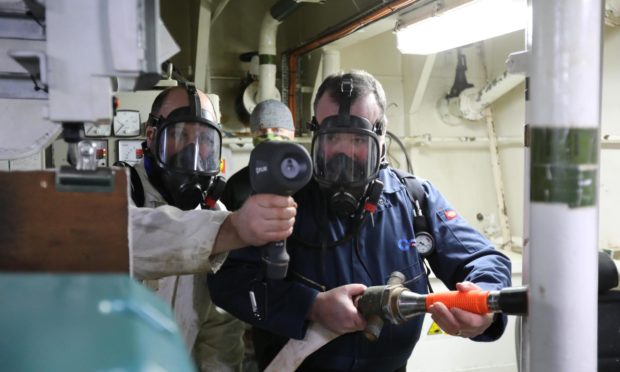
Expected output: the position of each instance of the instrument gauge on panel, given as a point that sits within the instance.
(127, 123)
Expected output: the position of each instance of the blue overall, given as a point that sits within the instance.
(385, 243)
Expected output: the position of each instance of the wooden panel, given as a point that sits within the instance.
(42, 229)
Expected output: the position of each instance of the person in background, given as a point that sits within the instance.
(270, 120)
(337, 250)
(176, 240)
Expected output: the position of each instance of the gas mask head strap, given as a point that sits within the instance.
(346, 97)
(194, 107)
(195, 110)
(346, 94)
(194, 100)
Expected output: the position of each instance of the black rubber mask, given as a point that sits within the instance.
(345, 164)
(187, 152)
(345, 154)
(343, 170)
(186, 190)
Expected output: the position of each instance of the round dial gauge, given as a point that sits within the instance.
(127, 123)
(97, 130)
(424, 243)
(130, 151)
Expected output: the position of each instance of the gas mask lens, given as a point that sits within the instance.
(345, 158)
(190, 147)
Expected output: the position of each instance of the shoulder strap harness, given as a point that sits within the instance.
(137, 191)
(425, 243)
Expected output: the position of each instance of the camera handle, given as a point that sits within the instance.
(280, 168)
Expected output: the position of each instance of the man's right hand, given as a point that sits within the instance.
(265, 218)
(335, 309)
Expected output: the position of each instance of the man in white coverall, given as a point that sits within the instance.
(175, 242)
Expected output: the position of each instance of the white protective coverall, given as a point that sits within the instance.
(166, 242)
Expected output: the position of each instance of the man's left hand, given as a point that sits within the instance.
(459, 322)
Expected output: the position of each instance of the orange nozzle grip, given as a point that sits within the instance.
(472, 301)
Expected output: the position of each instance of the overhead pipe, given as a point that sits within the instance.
(348, 27)
(473, 105)
(471, 102)
(428, 141)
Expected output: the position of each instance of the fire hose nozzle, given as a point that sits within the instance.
(380, 304)
(396, 304)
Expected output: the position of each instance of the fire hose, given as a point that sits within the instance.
(396, 304)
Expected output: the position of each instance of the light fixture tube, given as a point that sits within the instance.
(457, 23)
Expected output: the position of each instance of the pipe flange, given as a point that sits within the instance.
(250, 96)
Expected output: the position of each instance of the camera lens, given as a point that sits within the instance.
(289, 168)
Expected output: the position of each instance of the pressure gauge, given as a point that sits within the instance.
(127, 123)
(130, 151)
(97, 130)
(424, 243)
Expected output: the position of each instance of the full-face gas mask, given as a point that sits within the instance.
(187, 149)
(346, 155)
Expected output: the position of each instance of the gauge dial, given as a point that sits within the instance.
(127, 123)
(424, 243)
(97, 130)
(130, 151)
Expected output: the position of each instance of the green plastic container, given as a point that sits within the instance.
(86, 322)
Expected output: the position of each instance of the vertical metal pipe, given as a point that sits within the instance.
(203, 66)
(267, 58)
(521, 61)
(331, 62)
(382, 10)
(486, 96)
(267, 47)
(565, 104)
(498, 180)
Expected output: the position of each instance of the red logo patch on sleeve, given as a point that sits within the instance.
(450, 215)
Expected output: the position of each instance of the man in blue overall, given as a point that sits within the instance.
(339, 247)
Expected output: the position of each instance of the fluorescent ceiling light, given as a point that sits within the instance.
(450, 24)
